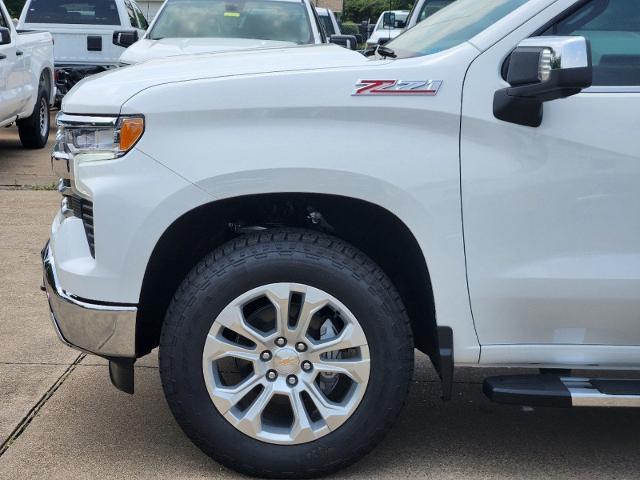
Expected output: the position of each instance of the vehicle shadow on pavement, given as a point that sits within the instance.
(88, 429)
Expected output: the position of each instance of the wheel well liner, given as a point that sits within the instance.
(372, 229)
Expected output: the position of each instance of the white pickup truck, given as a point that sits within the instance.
(390, 24)
(287, 282)
(89, 35)
(184, 27)
(27, 88)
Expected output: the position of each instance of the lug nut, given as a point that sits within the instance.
(307, 366)
(265, 356)
(292, 380)
(301, 347)
(281, 341)
(272, 375)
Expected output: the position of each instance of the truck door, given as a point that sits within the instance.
(552, 214)
(11, 74)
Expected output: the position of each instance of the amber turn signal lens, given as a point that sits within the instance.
(130, 132)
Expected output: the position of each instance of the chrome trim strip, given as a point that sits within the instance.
(61, 165)
(611, 89)
(64, 119)
(105, 330)
(584, 394)
(63, 189)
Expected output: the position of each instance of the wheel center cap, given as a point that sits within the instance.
(286, 361)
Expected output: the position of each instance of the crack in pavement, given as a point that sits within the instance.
(24, 423)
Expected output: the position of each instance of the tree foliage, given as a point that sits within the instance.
(359, 10)
(14, 7)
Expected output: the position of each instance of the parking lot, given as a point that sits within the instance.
(61, 418)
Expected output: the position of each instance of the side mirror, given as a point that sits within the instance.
(542, 69)
(389, 20)
(125, 39)
(346, 41)
(5, 36)
(401, 24)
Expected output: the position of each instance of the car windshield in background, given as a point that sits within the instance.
(285, 21)
(94, 12)
(452, 25)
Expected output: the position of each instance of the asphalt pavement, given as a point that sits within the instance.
(61, 418)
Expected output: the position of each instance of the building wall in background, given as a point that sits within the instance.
(335, 5)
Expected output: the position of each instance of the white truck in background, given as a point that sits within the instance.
(390, 24)
(27, 87)
(184, 27)
(90, 35)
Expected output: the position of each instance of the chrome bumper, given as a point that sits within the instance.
(103, 329)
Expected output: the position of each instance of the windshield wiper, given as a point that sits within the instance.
(381, 50)
(370, 51)
(385, 52)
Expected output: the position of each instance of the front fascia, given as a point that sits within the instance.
(134, 200)
(295, 131)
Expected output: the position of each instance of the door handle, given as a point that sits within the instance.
(19, 53)
(2, 56)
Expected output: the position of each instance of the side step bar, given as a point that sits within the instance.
(548, 390)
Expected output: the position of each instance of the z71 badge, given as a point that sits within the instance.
(397, 87)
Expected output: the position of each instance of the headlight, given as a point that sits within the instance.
(91, 139)
(85, 139)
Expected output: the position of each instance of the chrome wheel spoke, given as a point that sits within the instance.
(216, 348)
(228, 397)
(333, 415)
(279, 295)
(233, 319)
(356, 369)
(314, 300)
(251, 422)
(301, 431)
(350, 337)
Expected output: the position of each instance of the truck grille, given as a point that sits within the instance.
(83, 209)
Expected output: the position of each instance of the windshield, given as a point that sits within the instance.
(452, 25)
(429, 7)
(92, 12)
(285, 21)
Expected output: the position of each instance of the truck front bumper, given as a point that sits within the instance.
(104, 329)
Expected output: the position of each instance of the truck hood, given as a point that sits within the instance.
(147, 49)
(106, 92)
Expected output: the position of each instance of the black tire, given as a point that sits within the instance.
(32, 133)
(286, 255)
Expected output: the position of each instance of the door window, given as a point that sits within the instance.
(613, 28)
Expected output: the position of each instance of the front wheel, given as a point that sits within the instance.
(34, 130)
(286, 353)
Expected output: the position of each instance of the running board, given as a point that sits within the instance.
(547, 390)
